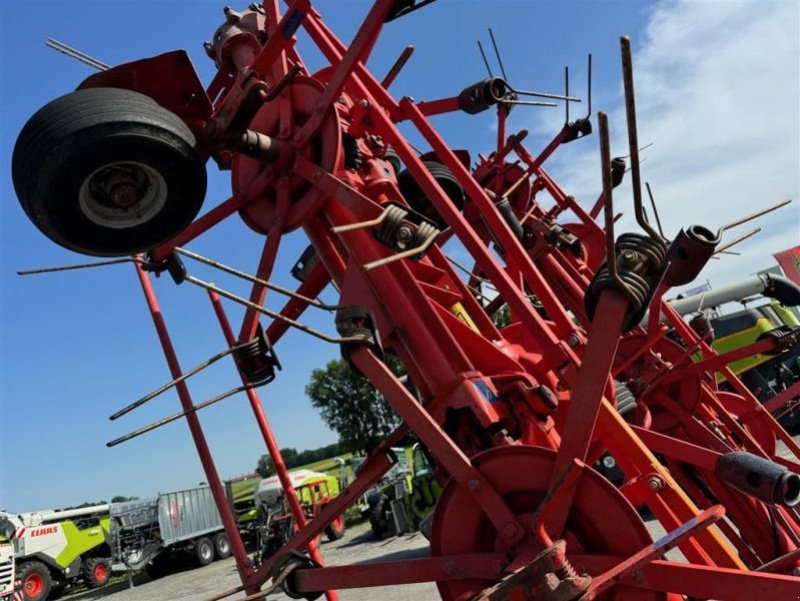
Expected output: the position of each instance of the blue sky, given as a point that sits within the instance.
(74, 347)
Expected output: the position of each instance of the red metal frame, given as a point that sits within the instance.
(546, 380)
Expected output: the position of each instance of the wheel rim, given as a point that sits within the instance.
(205, 551)
(122, 195)
(601, 521)
(100, 572)
(34, 585)
(223, 545)
(338, 523)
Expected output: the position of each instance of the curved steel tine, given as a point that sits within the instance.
(608, 205)
(633, 138)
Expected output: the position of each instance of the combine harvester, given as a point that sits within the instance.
(511, 417)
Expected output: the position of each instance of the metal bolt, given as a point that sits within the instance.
(404, 234)
(628, 258)
(655, 483)
(509, 530)
(363, 103)
(573, 339)
(474, 485)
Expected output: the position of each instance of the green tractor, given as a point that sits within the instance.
(406, 496)
(765, 375)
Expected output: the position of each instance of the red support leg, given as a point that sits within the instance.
(272, 444)
(228, 521)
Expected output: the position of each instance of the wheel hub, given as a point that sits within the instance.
(122, 195)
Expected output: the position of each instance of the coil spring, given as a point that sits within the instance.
(255, 361)
(653, 250)
(566, 571)
(637, 285)
(425, 232)
(387, 234)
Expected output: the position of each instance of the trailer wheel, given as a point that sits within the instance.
(335, 529)
(157, 567)
(96, 572)
(36, 581)
(222, 546)
(204, 551)
(108, 172)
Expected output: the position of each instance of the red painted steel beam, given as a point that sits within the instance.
(680, 450)
(409, 571)
(315, 282)
(437, 107)
(725, 584)
(587, 394)
(267, 262)
(269, 439)
(210, 470)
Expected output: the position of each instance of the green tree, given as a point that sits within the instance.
(122, 499)
(351, 406)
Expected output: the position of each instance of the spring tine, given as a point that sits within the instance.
(361, 224)
(655, 210)
(736, 241)
(608, 193)
(397, 66)
(751, 216)
(79, 266)
(605, 162)
(273, 314)
(183, 377)
(246, 276)
(485, 60)
(633, 137)
(589, 86)
(180, 414)
(566, 92)
(545, 95)
(399, 256)
(76, 54)
(528, 103)
(497, 54)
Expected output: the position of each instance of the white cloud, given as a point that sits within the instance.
(718, 93)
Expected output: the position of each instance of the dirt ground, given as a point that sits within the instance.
(358, 545)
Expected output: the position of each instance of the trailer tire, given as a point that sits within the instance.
(96, 572)
(108, 172)
(36, 581)
(222, 546)
(157, 567)
(204, 551)
(336, 528)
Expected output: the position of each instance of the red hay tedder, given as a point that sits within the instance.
(593, 361)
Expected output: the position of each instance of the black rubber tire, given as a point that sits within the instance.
(417, 199)
(377, 518)
(30, 569)
(334, 531)
(203, 551)
(90, 572)
(158, 566)
(74, 136)
(222, 546)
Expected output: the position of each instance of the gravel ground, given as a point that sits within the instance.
(358, 545)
